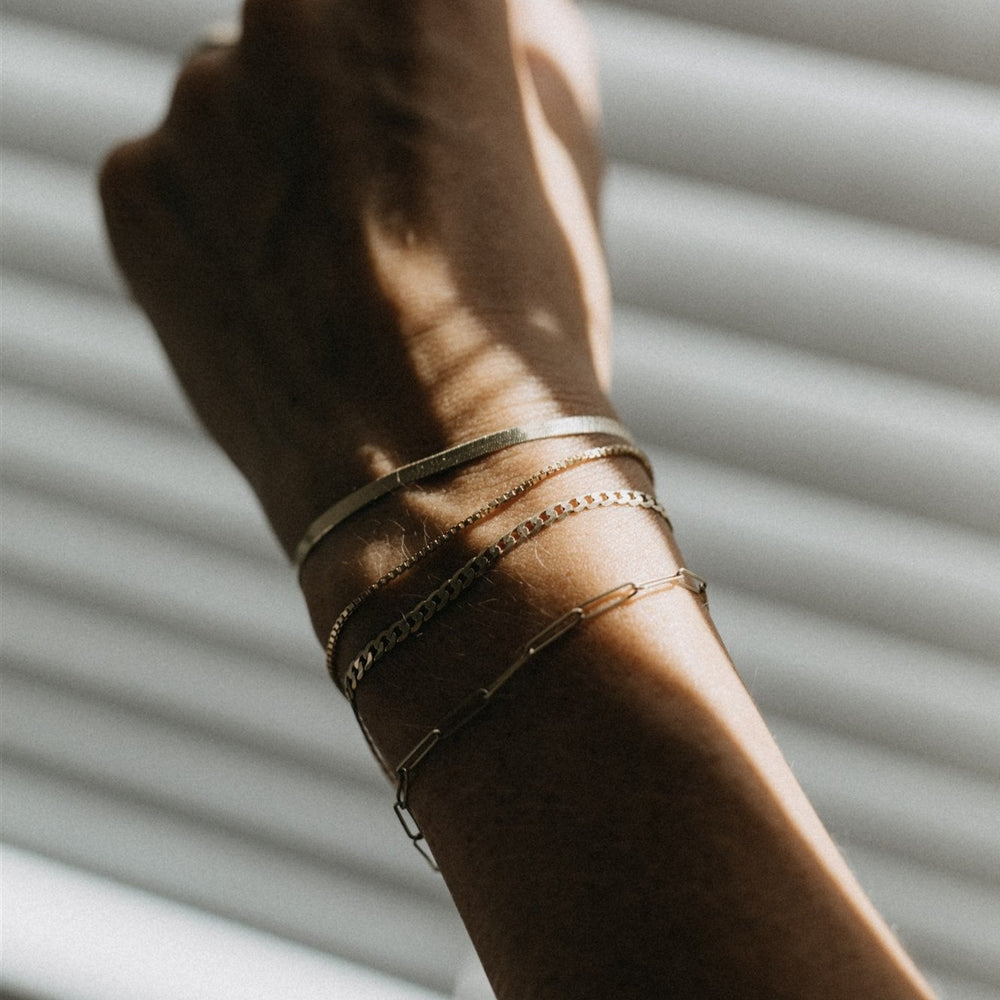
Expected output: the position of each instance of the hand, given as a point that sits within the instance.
(367, 230)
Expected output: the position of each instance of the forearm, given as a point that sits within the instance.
(618, 821)
(365, 232)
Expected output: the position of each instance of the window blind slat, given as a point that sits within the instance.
(958, 39)
(843, 427)
(903, 806)
(800, 238)
(156, 475)
(250, 603)
(186, 678)
(277, 799)
(776, 270)
(919, 697)
(857, 137)
(52, 223)
(966, 947)
(106, 940)
(63, 93)
(170, 26)
(913, 576)
(228, 872)
(87, 347)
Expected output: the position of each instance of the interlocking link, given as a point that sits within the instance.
(590, 455)
(475, 702)
(442, 461)
(478, 566)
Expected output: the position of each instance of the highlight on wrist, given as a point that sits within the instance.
(442, 461)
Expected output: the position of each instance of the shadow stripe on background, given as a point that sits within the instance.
(803, 219)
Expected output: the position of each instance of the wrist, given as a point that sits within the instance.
(469, 639)
(446, 385)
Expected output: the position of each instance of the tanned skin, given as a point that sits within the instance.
(368, 231)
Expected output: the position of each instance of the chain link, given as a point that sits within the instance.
(475, 702)
(450, 458)
(477, 567)
(590, 455)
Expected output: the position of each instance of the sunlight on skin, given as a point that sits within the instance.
(559, 175)
(546, 321)
(462, 309)
(721, 693)
(558, 30)
(453, 349)
(571, 212)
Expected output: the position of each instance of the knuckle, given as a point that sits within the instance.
(123, 172)
(133, 194)
(267, 23)
(199, 87)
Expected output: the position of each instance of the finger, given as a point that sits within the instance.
(200, 91)
(137, 218)
(124, 191)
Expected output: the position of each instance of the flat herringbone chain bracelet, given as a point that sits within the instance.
(481, 697)
(592, 454)
(442, 461)
(477, 567)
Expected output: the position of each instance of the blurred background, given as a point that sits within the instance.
(803, 222)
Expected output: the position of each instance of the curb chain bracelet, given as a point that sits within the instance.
(474, 703)
(477, 567)
(592, 454)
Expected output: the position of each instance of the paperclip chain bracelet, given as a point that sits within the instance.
(592, 454)
(450, 458)
(477, 701)
(478, 566)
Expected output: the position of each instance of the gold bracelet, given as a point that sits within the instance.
(468, 709)
(448, 459)
(218, 35)
(477, 567)
(592, 454)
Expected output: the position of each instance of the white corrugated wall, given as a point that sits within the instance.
(803, 220)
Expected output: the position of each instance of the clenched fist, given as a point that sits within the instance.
(367, 230)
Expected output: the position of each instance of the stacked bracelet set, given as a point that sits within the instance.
(447, 592)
